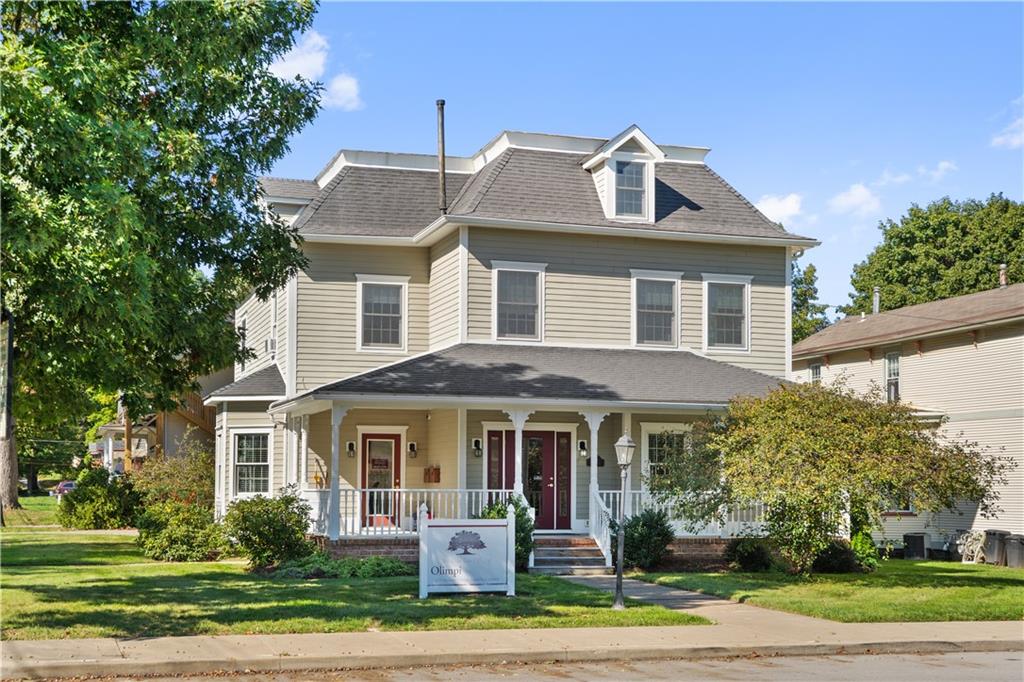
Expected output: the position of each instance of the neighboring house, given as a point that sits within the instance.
(961, 358)
(573, 289)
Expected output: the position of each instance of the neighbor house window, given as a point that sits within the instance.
(382, 303)
(892, 377)
(816, 372)
(655, 307)
(252, 463)
(726, 302)
(518, 300)
(629, 188)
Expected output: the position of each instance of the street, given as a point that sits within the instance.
(976, 667)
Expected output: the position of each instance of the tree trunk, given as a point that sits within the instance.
(8, 446)
(32, 476)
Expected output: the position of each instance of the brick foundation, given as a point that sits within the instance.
(691, 554)
(403, 549)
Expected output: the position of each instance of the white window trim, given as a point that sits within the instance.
(714, 278)
(647, 429)
(517, 266)
(400, 280)
(886, 360)
(810, 371)
(269, 433)
(401, 431)
(661, 276)
(611, 187)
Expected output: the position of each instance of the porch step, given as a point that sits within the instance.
(571, 570)
(567, 555)
(563, 541)
(568, 561)
(567, 552)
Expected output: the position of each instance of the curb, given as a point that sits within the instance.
(14, 669)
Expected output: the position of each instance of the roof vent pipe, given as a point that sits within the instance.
(1002, 276)
(876, 300)
(442, 191)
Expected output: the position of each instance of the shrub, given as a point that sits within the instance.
(320, 565)
(179, 531)
(752, 555)
(647, 536)
(99, 500)
(524, 527)
(837, 557)
(188, 477)
(270, 530)
(863, 548)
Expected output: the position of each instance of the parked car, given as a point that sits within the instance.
(63, 488)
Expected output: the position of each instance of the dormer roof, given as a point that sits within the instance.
(632, 139)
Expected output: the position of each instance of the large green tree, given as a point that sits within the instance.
(947, 248)
(808, 314)
(133, 135)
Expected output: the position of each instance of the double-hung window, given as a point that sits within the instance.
(518, 300)
(726, 313)
(816, 372)
(655, 307)
(382, 312)
(629, 189)
(892, 377)
(661, 442)
(252, 463)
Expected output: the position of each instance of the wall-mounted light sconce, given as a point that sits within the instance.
(412, 451)
(581, 447)
(478, 448)
(350, 448)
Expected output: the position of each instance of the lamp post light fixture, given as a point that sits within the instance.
(624, 449)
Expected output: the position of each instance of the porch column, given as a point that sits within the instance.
(460, 452)
(627, 429)
(518, 419)
(108, 452)
(334, 506)
(594, 420)
(303, 451)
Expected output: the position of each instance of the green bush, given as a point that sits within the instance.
(863, 547)
(99, 500)
(752, 555)
(320, 565)
(524, 527)
(646, 538)
(269, 530)
(187, 477)
(837, 557)
(179, 531)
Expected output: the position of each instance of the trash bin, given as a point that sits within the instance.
(995, 546)
(915, 546)
(1015, 551)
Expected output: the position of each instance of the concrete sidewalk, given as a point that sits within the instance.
(739, 630)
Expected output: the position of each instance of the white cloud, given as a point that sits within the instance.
(942, 168)
(778, 208)
(343, 93)
(307, 58)
(858, 199)
(1012, 136)
(890, 178)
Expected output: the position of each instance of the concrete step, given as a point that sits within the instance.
(571, 570)
(555, 552)
(563, 541)
(567, 561)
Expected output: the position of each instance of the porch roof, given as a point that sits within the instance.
(486, 372)
(263, 384)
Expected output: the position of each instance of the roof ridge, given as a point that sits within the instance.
(280, 177)
(315, 205)
(746, 201)
(488, 182)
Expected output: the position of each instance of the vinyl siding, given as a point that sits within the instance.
(588, 284)
(257, 316)
(326, 315)
(444, 292)
(441, 448)
(243, 415)
(281, 354)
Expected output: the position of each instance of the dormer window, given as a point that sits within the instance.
(629, 189)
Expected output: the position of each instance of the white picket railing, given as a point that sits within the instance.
(739, 521)
(600, 526)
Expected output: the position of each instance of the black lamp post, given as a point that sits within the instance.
(624, 449)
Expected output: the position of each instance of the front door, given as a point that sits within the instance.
(382, 476)
(547, 469)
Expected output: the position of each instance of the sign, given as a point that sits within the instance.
(467, 555)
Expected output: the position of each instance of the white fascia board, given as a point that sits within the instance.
(280, 199)
(396, 160)
(679, 154)
(565, 144)
(213, 400)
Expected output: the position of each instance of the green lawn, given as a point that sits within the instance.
(898, 591)
(72, 585)
(37, 510)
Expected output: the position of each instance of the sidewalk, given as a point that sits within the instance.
(739, 630)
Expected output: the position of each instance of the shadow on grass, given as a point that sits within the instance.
(79, 550)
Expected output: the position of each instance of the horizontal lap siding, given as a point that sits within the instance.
(442, 448)
(257, 329)
(282, 332)
(253, 415)
(587, 287)
(326, 316)
(444, 292)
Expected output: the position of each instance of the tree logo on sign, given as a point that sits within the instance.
(465, 540)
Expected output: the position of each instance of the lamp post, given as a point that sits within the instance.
(624, 449)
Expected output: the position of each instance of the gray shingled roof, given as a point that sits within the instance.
(915, 320)
(558, 373)
(287, 187)
(263, 382)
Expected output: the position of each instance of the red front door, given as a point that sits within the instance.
(382, 475)
(547, 469)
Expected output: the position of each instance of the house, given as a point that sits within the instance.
(451, 343)
(961, 358)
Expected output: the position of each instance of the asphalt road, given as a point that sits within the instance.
(975, 667)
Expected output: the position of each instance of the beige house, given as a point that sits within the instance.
(452, 347)
(961, 358)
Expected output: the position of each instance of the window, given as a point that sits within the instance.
(726, 302)
(241, 336)
(655, 307)
(660, 441)
(629, 188)
(816, 372)
(382, 303)
(892, 377)
(518, 300)
(252, 463)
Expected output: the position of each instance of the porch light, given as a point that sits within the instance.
(350, 448)
(624, 449)
(412, 450)
(582, 447)
(478, 449)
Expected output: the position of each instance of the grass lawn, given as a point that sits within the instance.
(37, 510)
(898, 591)
(72, 585)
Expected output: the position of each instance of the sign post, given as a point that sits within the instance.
(467, 555)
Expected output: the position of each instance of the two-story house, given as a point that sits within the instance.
(453, 346)
(961, 359)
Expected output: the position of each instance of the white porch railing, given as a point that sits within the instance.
(380, 512)
(600, 526)
(739, 521)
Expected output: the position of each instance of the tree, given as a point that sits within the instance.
(133, 135)
(465, 540)
(949, 248)
(808, 315)
(811, 454)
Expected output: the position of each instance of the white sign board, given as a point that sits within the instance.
(467, 555)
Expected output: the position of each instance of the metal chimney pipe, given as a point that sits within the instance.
(1002, 276)
(876, 300)
(442, 190)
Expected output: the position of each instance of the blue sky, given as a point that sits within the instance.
(830, 117)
